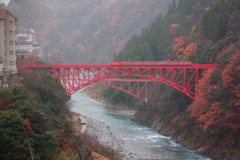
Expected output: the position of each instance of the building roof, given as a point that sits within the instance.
(3, 14)
(22, 30)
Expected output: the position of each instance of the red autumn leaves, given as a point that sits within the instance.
(182, 50)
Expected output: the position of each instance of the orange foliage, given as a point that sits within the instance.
(179, 46)
(55, 24)
(96, 34)
(55, 51)
(227, 79)
(201, 108)
(157, 11)
(133, 11)
(41, 11)
(175, 119)
(212, 121)
(120, 44)
(5, 103)
(203, 84)
(81, 48)
(212, 115)
(227, 48)
(69, 43)
(97, 156)
(204, 40)
(15, 82)
(64, 139)
(46, 29)
(173, 28)
(238, 101)
(76, 33)
(30, 60)
(232, 118)
(41, 36)
(191, 50)
(231, 74)
(66, 39)
(184, 47)
(67, 117)
(230, 47)
(113, 22)
(28, 128)
(235, 57)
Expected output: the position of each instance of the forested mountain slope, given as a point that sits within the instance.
(202, 32)
(36, 122)
(79, 30)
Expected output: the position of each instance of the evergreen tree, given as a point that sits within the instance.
(174, 5)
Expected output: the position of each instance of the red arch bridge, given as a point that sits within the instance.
(182, 77)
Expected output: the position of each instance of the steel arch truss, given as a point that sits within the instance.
(138, 88)
(182, 78)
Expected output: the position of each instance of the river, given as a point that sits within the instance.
(140, 140)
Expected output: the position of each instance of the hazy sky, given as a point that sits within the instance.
(4, 1)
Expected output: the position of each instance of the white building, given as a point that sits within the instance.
(30, 34)
(26, 41)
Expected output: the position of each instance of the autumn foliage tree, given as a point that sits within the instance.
(208, 113)
(190, 50)
(231, 85)
(201, 105)
(28, 129)
(178, 46)
(213, 114)
(173, 28)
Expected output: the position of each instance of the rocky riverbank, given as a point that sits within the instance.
(103, 133)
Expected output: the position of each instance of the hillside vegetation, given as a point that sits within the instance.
(36, 122)
(201, 31)
(86, 31)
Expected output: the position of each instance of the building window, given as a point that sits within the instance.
(11, 52)
(11, 32)
(11, 62)
(11, 42)
(11, 22)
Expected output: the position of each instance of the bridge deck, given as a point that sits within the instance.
(45, 66)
